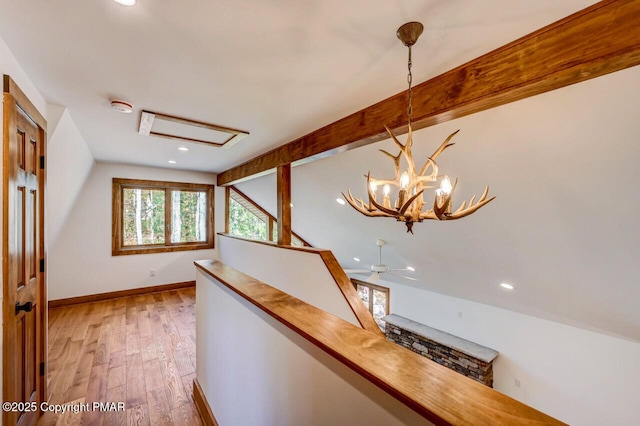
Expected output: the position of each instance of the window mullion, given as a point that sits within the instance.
(167, 216)
(371, 300)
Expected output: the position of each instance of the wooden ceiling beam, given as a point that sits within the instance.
(598, 40)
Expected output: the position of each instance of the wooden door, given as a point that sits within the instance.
(24, 300)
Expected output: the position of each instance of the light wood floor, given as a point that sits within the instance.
(139, 350)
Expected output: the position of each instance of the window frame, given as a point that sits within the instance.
(117, 232)
(255, 209)
(356, 282)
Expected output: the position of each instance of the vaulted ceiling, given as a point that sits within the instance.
(562, 164)
(278, 69)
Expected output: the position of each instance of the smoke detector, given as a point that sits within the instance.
(121, 106)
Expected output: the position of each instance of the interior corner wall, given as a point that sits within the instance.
(80, 260)
(10, 66)
(575, 375)
(69, 162)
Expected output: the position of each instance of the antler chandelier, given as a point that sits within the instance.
(409, 204)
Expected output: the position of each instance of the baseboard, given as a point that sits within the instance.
(202, 405)
(116, 294)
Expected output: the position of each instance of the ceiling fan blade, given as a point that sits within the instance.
(403, 276)
(373, 277)
(356, 271)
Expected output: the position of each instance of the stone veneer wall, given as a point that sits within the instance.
(476, 362)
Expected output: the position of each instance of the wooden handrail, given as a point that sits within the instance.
(341, 279)
(435, 392)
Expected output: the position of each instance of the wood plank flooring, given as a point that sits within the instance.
(139, 350)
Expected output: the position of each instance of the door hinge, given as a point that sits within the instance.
(42, 265)
(42, 369)
(42, 162)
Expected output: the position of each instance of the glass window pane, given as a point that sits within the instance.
(296, 242)
(379, 307)
(143, 216)
(379, 304)
(363, 292)
(244, 223)
(188, 216)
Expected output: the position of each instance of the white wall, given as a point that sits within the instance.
(9, 66)
(255, 371)
(80, 261)
(306, 278)
(69, 162)
(578, 376)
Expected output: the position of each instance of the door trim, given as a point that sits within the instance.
(20, 100)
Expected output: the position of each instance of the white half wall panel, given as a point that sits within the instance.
(254, 370)
(301, 274)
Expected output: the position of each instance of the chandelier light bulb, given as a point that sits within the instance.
(445, 185)
(386, 190)
(404, 180)
(373, 186)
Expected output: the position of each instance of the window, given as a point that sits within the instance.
(247, 219)
(376, 298)
(153, 217)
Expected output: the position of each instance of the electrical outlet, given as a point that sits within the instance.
(517, 383)
(152, 273)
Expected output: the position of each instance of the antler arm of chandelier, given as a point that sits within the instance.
(442, 205)
(431, 161)
(409, 205)
(359, 205)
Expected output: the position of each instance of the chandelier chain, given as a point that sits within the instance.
(410, 80)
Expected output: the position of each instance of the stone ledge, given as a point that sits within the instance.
(467, 347)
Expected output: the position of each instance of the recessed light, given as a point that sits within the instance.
(340, 201)
(506, 286)
(126, 2)
(183, 148)
(172, 162)
(411, 268)
(356, 259)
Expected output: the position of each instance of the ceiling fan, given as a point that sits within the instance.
(379, 269)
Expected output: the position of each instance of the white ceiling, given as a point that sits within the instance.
(278, 69)
(563, 165)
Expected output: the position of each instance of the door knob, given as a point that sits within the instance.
(27, 307)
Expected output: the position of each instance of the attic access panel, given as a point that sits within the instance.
(184, 129)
